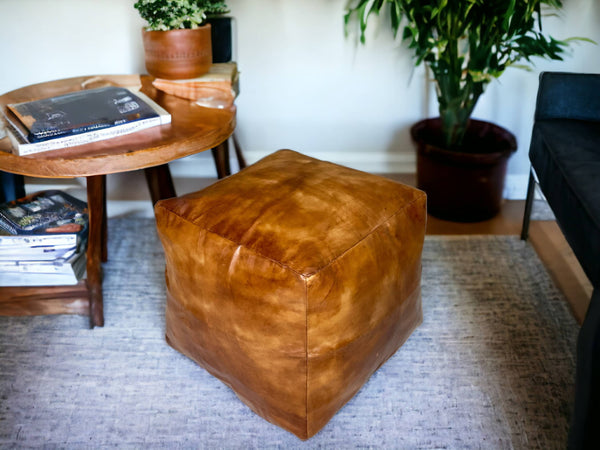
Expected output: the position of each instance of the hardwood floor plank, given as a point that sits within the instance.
(559, 259)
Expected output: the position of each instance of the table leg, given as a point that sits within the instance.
(104, 222)
(160, 182)
(221, 157)
(238, 152)
(96, 206)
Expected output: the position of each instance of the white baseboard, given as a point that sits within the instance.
(202, 165)
(372, 162)
(515, 186)
(127, 193)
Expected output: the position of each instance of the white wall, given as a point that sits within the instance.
(303, 84)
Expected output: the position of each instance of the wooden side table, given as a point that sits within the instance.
(193, 129)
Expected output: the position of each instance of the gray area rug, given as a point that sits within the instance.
(492, 366)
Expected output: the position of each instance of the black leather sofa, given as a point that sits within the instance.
(565, 159)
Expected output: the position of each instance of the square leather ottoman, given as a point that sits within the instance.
(293, 281)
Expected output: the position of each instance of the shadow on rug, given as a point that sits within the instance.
(492, 365)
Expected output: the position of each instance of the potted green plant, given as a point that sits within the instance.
(177, 39)
(461, 162)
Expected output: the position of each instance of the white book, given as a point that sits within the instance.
(43, 273)
(36, 253)
(35, 240)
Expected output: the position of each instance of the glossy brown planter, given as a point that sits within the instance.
(178, 54)
(463, 186)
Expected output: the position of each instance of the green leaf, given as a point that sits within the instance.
(466, 44)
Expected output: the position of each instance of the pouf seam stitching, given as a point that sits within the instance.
(372, 231)
(306, 355)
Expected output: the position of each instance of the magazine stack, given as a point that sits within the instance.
(43, 239)
(80, 118)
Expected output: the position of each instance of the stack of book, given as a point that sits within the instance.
(216, 89)
(79, 118)
(43, 239)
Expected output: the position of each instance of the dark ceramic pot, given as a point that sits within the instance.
(178, 54)
(463, 186)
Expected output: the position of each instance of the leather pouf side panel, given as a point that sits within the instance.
(240, 316)
(362, 308)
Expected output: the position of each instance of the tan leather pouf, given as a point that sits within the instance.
(293, 281)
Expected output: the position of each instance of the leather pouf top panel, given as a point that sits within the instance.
(293, 281)
(316, 210)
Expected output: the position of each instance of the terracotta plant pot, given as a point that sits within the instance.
(178, 54)
(463, 186)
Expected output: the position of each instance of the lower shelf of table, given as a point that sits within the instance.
(42, 300)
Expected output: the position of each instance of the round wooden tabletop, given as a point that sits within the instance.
(193, 129)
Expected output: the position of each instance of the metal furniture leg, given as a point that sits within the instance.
(528, 206)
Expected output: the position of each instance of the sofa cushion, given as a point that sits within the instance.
(566, 157)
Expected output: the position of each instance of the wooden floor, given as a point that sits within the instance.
(545, 236)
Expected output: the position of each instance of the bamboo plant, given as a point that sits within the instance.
(466, 44)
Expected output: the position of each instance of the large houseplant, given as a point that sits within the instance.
(177, 39)
(465, 44)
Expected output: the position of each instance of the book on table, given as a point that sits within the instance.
(79, 118)
(43, 239)
(216, 89)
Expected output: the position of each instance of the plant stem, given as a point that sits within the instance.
(456, 99)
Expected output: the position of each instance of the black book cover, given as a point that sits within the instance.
(45, 212)
(80, 112)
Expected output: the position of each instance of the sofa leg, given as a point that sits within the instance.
(585, 425)
(528, 206)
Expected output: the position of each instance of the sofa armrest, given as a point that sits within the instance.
(564, 95)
